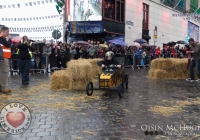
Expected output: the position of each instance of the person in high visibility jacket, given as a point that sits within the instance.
(5, 45)
(24, 59)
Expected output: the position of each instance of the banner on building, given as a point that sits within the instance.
(86, 27)
(114, 36)
(193, 31)
(19, 5)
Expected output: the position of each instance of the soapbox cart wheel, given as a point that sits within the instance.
(126, 81)
(120, 90)
(89, 88)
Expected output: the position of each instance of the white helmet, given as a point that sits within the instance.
(110, 54)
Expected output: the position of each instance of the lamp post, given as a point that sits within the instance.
(61, 9)
(64, 20)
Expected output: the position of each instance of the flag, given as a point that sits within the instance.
(181, 3)
(198, 11)
(58, 9)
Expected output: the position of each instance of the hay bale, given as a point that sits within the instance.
(78, 84)
(162, 63)
(176, 69)
(77, 74)
(157, 74)
(95, 68)
(59, 80)
(79, 69)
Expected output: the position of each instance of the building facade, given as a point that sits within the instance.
(157, 21)
(160, 21)
(96, 20)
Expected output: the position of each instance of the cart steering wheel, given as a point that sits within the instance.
(110, 67)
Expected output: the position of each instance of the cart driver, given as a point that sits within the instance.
(109, 60)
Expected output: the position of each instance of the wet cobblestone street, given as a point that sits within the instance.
(66, 115)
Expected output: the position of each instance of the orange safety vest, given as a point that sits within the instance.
(6, 51)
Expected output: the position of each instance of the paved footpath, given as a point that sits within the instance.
(65, 115)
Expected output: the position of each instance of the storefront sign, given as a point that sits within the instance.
(129, 23)
(155, 34)
(86, 27)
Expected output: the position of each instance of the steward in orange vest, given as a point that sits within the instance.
(5, 47)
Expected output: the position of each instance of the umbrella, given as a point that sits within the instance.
(181, 42)
(141, 41)
(40, 43)
(83, 43)
(171, 43)
(17, 39)
(145, 45)
(103, 45)
(136, 44)
(118, 42)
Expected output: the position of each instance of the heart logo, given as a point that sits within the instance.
(15, 119)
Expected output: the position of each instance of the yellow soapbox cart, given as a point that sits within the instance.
(111, 78)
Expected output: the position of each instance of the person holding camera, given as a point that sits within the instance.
(24, 55)
(195, 62)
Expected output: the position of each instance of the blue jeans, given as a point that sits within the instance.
(24, 67)
(194, 63)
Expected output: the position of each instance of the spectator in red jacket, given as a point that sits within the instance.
(158, 52)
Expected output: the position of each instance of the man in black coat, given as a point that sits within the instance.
(24, 55)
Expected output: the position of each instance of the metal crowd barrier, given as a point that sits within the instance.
(142, 62)
(134, 60)
(52, 63)
(128, 59)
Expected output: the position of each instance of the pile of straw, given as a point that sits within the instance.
(166, 111)
(76, 76)
(170, 68)
(60, 80)
(80, 69)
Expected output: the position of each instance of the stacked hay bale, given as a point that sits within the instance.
(77, 74)
(60, 80)
(170, 68)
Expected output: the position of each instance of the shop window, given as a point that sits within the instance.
(109, 9)
(122, 12)
(118, 11)
(145, 20)
(114, 10)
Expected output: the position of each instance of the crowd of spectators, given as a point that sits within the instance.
(57, 55)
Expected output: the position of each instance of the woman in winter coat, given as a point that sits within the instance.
(55, 56)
